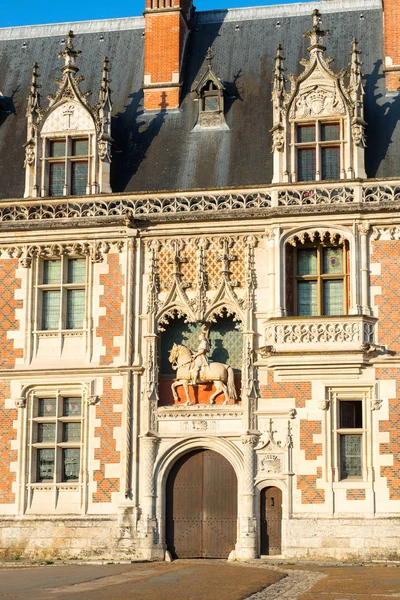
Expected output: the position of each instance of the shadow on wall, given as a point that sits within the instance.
(7, 107)
(382, 119)
(201, 40)
(133, 135)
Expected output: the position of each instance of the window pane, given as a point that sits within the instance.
(76, 270)
(72, 407)
(75, 309)
(211, 103)
(70, 465)
(51, 309)
(57, 149)
(45, 466)
(330, 132)
(333, 298)
(52, 271)
(306, 161)
(307, 298)
(306, 134)
(80, 147)
(47, 407)
(333, 260)
(57, 179)
(350, 456)
(330, 163)
(307, 262)
(350, 414)
(79, 178)
(46, 432)
(71, 432)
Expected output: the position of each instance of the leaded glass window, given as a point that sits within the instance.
(211, 103)
(51, 309)
(330, 163)
(350, 431)
(56, 441)
(62, 293)
(70, 175)
(320, 280)
(350, 456)
(307, 164)
(317, 156)
(79, 178)
(57, 179)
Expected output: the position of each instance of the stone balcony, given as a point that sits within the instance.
(349, 333)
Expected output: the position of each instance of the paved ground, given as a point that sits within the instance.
(181, 580)
(199, 580)
(356, 583)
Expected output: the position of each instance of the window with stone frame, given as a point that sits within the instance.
(350, 432)
(210, 93)
(319, 150)
(67, 165)
(350, 426)
(61, 293)
(317, 279)
(55, 439)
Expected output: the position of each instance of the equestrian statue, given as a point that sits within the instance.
(194, 368)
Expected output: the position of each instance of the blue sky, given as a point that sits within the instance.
(27, 12)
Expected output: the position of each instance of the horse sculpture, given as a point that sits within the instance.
(219, 374)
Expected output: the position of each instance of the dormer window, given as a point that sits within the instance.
(319, 151)
(210, 94)
(68, 150)
(68, 161)
(318, 125)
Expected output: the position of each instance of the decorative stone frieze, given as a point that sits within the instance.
(94, 249)
(297, 334)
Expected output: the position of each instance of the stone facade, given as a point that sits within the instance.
(90, 429)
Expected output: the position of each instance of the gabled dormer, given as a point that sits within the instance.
(68, 148)
(318, 131)
(210, 93)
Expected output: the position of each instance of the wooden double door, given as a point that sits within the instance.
(201, 506)
(271, 521)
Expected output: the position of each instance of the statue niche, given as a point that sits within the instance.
(200, 364)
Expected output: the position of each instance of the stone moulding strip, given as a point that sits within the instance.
(201, 202)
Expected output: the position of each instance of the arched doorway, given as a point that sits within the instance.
(271, 521)
(201, 506)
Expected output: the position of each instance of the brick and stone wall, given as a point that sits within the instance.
(9, 283)
(7, 454)
(108, 432)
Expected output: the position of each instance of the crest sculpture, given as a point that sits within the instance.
(195, 368)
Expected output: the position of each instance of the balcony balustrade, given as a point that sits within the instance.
(320, 334)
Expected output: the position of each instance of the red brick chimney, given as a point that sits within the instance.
(391, 31)
(167, 26)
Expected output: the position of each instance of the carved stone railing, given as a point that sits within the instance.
(299, 334)
(139, 205)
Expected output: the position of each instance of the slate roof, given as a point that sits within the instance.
(159, 152)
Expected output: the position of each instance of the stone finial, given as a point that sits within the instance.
(209, 57)
(105, 91)
(355, 66)
(316, 34)
(69, 54)
(34, 95)
(279, 78)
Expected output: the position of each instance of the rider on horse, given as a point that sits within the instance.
(200, 358)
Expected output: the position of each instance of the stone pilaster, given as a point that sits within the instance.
(248, 521)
